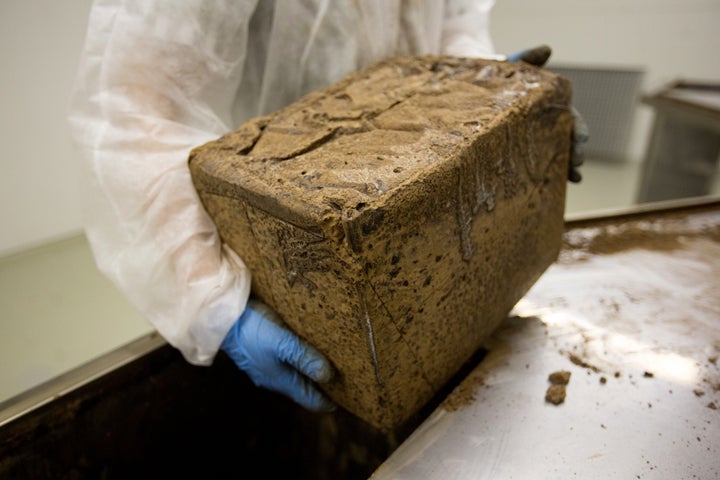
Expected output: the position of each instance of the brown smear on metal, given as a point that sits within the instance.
(582, 363)
(662, 235)
(697, 230)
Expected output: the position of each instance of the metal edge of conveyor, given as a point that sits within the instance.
(641, 209)
(55, 388)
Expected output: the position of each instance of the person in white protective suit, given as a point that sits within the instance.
(159, 77)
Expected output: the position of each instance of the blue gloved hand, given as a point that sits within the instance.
(538, 56)
(277, 359)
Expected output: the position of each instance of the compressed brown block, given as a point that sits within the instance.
(395, 218)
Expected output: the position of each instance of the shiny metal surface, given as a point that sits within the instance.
(15, 407)
(632, 310)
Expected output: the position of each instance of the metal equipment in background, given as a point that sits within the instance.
(607, 99)
(682, 156)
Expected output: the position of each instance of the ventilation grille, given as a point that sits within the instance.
(606, 99)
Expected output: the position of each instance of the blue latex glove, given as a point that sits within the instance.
(538, 56)
(277, 359)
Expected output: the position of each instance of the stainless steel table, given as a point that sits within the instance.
(632, 310)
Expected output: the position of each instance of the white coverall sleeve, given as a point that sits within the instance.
(466, 29)
(156, 79)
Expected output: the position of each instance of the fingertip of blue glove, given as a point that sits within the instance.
(537, 56)
(581, 134)
(325, 405)
(515, 56)
(305, 358)
(319, 370)
(305, 393)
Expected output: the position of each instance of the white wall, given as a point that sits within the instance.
(671, 39)
(40, 42)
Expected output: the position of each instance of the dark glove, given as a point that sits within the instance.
(538, 56)
(277, 359)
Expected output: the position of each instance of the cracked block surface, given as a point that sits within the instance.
(395, 218)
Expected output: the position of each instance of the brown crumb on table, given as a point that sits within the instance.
(561, 377)
(555, 394)
(648, 374)
(713, 360)
(603, 380)
(465, 393)
(698, 392)
(712, 406)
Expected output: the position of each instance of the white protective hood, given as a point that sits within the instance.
(159, 77)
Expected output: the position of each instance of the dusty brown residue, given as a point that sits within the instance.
(621, 238)
(663, 234)
(465, 393)
(581, 363)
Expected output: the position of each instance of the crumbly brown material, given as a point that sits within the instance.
(555, 394)
(394, 218)
(561, 377)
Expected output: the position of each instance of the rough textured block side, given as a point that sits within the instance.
(395, 218)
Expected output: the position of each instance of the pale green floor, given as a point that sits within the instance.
(59, 312)
(605, 185)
